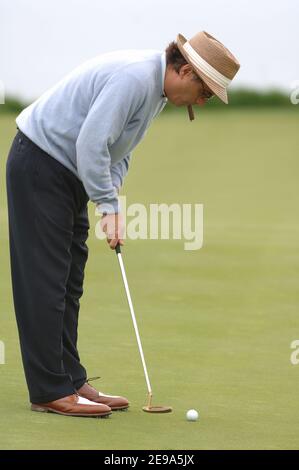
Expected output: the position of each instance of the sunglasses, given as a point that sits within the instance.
(206, 94)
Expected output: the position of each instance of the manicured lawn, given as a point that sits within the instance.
(216, 323)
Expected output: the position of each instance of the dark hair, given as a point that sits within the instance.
(175, 58)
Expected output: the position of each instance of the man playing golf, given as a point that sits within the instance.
(73, 145)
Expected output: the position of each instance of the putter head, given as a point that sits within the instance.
(157, 409)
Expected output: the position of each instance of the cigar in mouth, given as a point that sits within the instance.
(191, 113)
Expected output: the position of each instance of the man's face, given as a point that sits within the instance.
(182, 90)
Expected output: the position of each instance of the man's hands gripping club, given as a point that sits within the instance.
(113, 226)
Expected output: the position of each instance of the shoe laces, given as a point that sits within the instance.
(92, 379)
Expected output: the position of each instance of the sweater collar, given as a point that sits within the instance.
(163, 72)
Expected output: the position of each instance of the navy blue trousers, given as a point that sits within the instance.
(48, 229)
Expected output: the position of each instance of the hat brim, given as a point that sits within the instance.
(216, 89)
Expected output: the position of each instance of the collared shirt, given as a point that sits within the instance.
(93, 118)
(163, 70)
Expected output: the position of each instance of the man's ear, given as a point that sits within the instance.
(185, 70)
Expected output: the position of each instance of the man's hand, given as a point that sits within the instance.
(113, 226)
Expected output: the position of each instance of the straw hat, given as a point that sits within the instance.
(211, 60)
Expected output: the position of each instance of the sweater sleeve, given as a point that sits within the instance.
(119, 171)
(108, 116)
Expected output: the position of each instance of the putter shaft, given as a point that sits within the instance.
(121, 264)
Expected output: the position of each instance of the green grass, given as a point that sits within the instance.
(216, 323)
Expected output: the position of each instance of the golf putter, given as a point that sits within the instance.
(148, 408)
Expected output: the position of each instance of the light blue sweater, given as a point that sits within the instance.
(93, 118)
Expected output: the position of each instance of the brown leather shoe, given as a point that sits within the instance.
(115, 402)
(73, 405)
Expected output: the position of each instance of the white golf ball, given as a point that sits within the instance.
(192, 415)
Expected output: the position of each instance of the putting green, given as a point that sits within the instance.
(216, 324)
